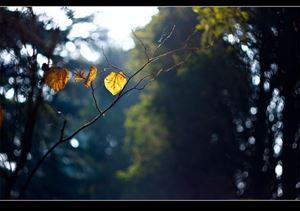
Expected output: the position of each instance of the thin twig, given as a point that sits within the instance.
(154, 76)
(32, 173)
(164, 40)
(108, 62)
(143, 44)
(102, 113)
(58, 113)
(94, 98)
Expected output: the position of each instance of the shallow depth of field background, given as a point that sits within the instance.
(223, 126)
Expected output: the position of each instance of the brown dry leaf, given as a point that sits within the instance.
(79, 76)
(57, 78)
(91, 76)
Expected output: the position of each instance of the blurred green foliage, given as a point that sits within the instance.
(215, 21)
(181, 130)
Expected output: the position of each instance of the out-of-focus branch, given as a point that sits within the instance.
(32, 109)
(143, 44)
(164, 40)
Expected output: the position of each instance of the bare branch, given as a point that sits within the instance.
(138, 83)
(174, 51)
(94, 98)
(62, 130)
(143, 44)
(186, 42)
(116, 99)
(108, 62)
(164, 40)
(58, 113)
(32, 173)
(155, 76)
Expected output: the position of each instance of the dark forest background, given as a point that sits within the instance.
(225, 125)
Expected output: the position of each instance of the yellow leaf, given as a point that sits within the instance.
(1, 116)
(115, 82)
(91, 76)
(79, 76)
(57, 78)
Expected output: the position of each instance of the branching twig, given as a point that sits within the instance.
(116, 99)
(94, 98)
(59, 113)
(136, 87)
(32, 173)
(143, 44)
(108, 62)
(164, 40)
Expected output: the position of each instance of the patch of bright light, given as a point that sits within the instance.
(27, 50)
(241, 185)
(6, 56)
(251, 140)
(276, 149)
(4, 163)
(1, 90)
(11, 80)
(276, 91)
(74, 143)
(41, 59)
(279, 141)
(272, 104)
(255, 80)
(56, 13)
(280, 106)
(253, 110)
(278, 170)
(21, 98)
(10, 94)
(3, 157)
(63, 53)
(279, 191)
(70, 46)
(248, 123)
(242, 147)
(231, 38)
(88, 54)
(244, 47)
(81, 30)
(266, 86)
(8, 165)
(271, 117)
(239, 128)
(118, 20)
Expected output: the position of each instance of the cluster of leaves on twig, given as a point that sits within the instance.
(116, 82)
(57, 78)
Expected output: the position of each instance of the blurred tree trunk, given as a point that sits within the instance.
(35, 98)
(289, 67)
(260, 169)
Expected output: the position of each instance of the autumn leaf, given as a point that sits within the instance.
(115, 82)
(57, 78)
(1, 116)
(79, 76)
(91, 76)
